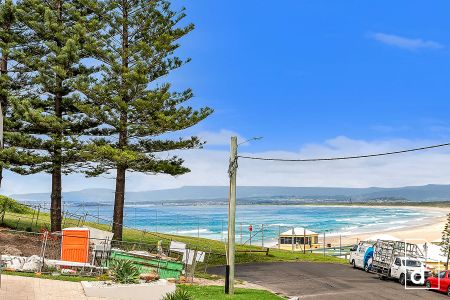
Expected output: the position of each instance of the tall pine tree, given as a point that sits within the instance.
(8, 39)
(47, 122)
(129, 98)
(445, 243)
(12, 83)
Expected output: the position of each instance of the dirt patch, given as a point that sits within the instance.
(27, 244)
(9, 250)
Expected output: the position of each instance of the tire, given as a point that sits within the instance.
(448, 291)
(428, 285)
(353, 264)
(402, 279)
(366, 268)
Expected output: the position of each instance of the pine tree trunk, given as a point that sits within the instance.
(56, 219)
(56, 199)
(3, 97)
(119, 198)
(448, 257)
(119, 203)
(4, 102)
(55, 212)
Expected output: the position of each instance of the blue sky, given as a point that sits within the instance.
(314, 78)
(304, 71)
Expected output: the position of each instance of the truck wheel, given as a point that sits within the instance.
(402, 279)
(353, 264)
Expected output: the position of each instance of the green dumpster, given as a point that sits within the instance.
(165, 268)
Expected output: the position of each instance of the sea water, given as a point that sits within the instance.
(211, 221)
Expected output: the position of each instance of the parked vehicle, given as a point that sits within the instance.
(361, 256)
(399, 260)
(406, 269)
(441, 282)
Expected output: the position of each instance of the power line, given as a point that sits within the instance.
(345, 157)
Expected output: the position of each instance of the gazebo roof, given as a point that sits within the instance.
(299, 231)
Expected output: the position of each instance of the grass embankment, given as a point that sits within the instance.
(23, 218)
(216, 293)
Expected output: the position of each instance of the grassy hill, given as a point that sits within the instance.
(20, 217)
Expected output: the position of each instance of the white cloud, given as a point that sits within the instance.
(209, 167)
(405, 43)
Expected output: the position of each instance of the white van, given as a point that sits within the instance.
(361, 256)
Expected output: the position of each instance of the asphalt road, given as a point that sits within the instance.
(325, 281)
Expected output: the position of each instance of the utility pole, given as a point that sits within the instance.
(262, 235)
(229, 289)
(279, 237)
(304, 240)
(292, 240)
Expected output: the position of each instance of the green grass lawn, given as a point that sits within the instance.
(217, 293)
(21, 218)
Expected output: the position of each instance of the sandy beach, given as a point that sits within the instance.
(429, 229)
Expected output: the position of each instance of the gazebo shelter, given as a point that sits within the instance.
(298, 239)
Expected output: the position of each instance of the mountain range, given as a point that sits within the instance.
(253, 194)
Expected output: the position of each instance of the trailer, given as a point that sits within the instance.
(399, 260)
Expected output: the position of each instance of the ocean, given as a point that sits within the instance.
(211, 221)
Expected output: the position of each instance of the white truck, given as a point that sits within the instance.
(399, 260)
(408, 269)
(361, 255)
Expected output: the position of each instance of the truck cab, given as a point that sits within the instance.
(407, 269)
(361, 255)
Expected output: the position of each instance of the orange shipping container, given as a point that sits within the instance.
(75, 245)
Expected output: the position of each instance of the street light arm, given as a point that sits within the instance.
(252, 139)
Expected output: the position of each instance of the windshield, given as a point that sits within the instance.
(411, 263)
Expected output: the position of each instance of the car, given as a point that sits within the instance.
(441, 282)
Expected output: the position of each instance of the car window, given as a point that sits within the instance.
(412, 263)
(441, 274)
(448, 275)
(397, 261)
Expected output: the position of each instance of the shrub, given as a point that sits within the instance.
(178, 295)
(123, 271)
(11, 205)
